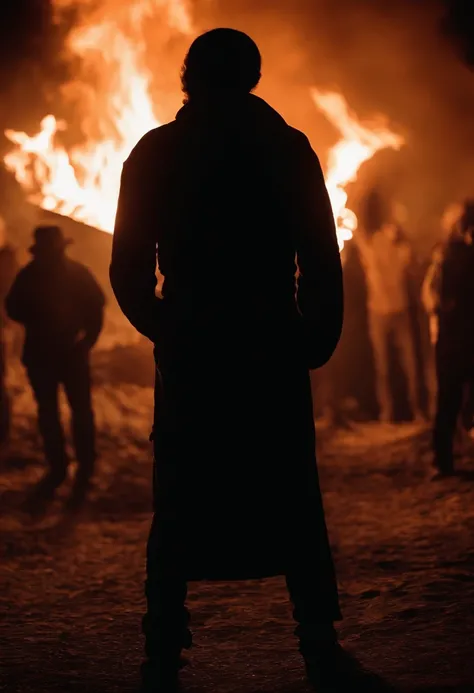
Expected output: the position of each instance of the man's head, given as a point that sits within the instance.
(221, 61)
(451, 217)
(50, 243)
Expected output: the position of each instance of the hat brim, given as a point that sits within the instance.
(64, 243)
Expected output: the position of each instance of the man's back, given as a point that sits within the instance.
(457, 293)
(231, 195)
(223, 227)
(54, 301)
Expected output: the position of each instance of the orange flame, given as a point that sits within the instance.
(358, 144)
(83, 182)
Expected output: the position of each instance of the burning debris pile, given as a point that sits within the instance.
(83, 182)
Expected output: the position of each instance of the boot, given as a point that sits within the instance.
(163, 649)
(331, 669)
(160, 677)
(80, 489)
(43, 493)
(47, 486)
(443, 465)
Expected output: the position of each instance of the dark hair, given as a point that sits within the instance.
(221, 60)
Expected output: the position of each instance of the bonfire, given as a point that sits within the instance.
(83, 182)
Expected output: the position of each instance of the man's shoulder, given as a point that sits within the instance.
(83, 276)
(152, 142)
(27, 270)
(298, 137)
(300, 147)
(78, 269)
(298, 140)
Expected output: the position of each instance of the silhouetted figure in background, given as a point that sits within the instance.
(229, 190)
(8, 270)
(328, 399)
(61, 307)
(387, 259)
(431, 294)
(455, 343)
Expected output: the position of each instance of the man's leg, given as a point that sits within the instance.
(328, 665)
(44, 382)
(166, 622)
(77, 385)
(315, 607)
(4, 399)
(311, 577)
(431, 381)
(379, 331)
(449, 402)
(405, 343)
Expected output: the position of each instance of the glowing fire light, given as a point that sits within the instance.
(83, 182)
(358, 144)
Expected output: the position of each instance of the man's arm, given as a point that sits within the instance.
(320, 294)
(16, 303)
(431, 287)
(133, 265)
(94, 299)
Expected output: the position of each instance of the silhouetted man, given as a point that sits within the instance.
(229, 190)
(455, 340)
(8, 270)
(387, 258)
(61, 306)
(431, 291)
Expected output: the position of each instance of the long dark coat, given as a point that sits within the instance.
(229, 194)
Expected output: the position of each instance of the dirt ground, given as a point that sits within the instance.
(71, 584)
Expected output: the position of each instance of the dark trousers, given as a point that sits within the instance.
(383, 329)
(166, 623)
(455, 376)
(74, 376)
(4, 398)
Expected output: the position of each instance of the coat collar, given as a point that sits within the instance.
(228, 108)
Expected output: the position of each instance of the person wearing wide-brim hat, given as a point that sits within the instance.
(61, 305)
(49, 240)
